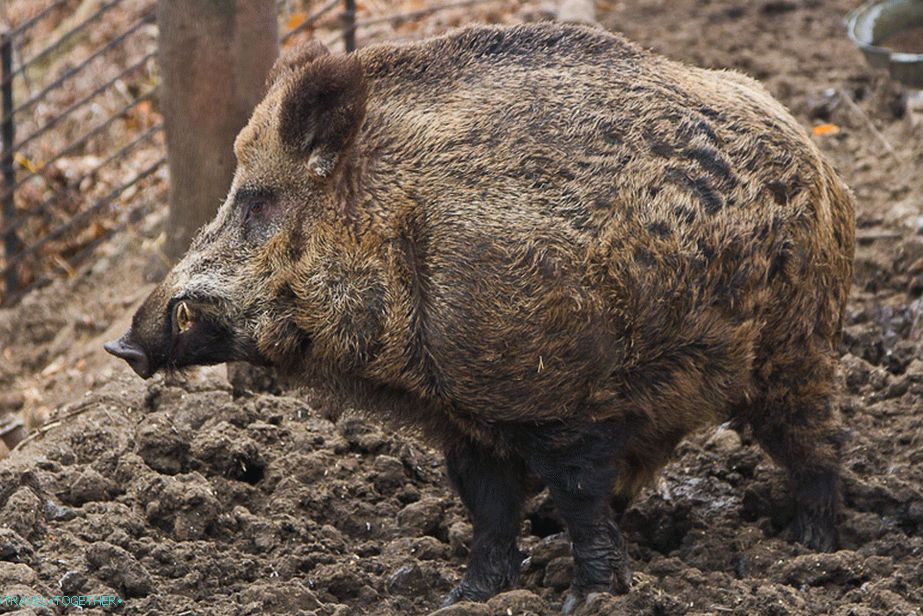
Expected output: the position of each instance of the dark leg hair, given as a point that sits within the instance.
(579, 469)
(620, 504)
(493, 490)
(800, 430)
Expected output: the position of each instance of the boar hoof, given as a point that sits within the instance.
(621, 584)
(621, 580)
(815, 532)
(571, 603)
(817, 499)
(574, 600)
(463, 592)
(481, 584)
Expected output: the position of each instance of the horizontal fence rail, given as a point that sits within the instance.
(72, 72)
(80, 142)
(86, 99)
(47, 51)
(82, 216)
(27, 163)
(119, 154)
(25, 158)
(312, 19)
(27, 25)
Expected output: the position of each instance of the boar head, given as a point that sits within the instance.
(281, 271)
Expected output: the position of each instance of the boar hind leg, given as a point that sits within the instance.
(800, 430)
(492, 489)
(580, 472)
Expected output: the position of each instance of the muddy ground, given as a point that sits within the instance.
(191, 498)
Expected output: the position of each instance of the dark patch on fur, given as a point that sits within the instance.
(713, 163)
(780, 262)
(690, 129)
(644, 257)
(713, 114)
(710, 199)
(783, 192)
(296, 242)
(602, 203)
(661, 228)
(612, 133)
(778, 191)
(658, 145)
(684, 214)
(707, 251)
(419, 360)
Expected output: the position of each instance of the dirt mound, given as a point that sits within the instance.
(183, 498)
(179, 498)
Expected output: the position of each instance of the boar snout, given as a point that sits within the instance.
(174, 332)
(129, 350)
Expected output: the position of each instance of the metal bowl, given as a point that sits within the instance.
(875, 22)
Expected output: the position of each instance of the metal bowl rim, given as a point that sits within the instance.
(851, 24)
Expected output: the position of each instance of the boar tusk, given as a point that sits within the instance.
(183, 317)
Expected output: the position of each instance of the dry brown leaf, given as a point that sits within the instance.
(825, 129)
(295, 20)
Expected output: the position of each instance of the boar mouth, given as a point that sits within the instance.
(188, 333)
(196, 335)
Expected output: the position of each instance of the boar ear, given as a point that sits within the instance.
(322, 109)
(294, 59)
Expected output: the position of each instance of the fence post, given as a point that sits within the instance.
(214, 58)
(8, 135)
(349, 25)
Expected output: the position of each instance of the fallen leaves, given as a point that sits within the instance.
(823, 130)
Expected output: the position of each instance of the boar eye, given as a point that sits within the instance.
(254, 209)
(255, 205)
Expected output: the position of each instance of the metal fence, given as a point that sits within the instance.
(17, 165)
(20, 152)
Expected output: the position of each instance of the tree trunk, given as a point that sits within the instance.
(214, 56)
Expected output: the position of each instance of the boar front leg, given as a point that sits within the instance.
(493, 490)
(579, 467)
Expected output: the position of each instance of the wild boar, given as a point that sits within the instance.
(552, 252)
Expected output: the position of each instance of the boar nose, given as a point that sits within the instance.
(127, 349)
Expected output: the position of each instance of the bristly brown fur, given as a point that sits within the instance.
(552, 252)
(322, 109)
(294, 60)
